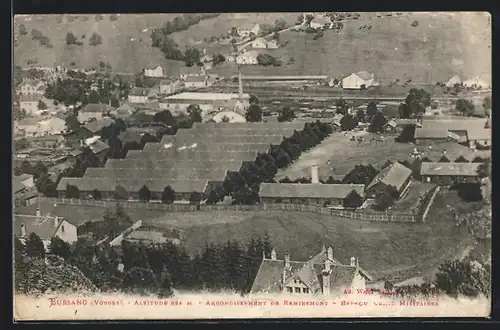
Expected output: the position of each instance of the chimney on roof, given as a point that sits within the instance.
(23, 230)
(273, 254)
(56, 221)
(287, 260)
(240, 86)
(329, 253)
(38, 213)
(353, 261)
(314, 174)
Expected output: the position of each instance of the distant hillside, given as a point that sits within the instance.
(126, 42)
(440, 46)
(56, 276)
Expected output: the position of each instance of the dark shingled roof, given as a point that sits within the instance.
(300, 190)
(45, 227)
(449, 169)
(94, 107)
(394, 175)
(269, 277)
(97, 125)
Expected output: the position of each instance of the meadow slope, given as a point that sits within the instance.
(442, 45)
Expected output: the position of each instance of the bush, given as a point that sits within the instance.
(95, 39)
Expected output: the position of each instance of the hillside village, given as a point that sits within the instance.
(112, 169)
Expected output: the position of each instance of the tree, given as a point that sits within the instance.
(348, 122)
(72, 122)
(145, 194)
(41, 105)
(484, 169)
(60, 248)
(265, 59)
(139, 280)
(165, 284)
(386, 197)
(377, 123)
(71, 39)
(164, 117)
(26, 167)
(22, 30)
(286, 114)
(218, 59)
(168, 195)
(465, 107)
(487, 103)
(360, 174)
(371, 110)
(72, 191)
(212, 197)
(96, 194)
(120, 193)
(192, 56)
(468, 277)
(195, 197)
(194, 112)
(404, 111)
(254, 113)
(95, 39)
(39, 170)
(416, 101)
(253, 99)
(279, 25)
(461, 159)
(443, 159)
(34, 246)
(360, 115)
(341, 106)
(353, 200)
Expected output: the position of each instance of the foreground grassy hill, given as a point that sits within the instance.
(441, 45)
(387, 250)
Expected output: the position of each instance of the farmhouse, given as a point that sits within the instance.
(321, 275)
(123, 111)
(94, 110)
(298, 193)
(457, 126)
(26, 180)
(359, 80)
(197, 82)
(169, 86)
(155, 72)
(37, 127)
(245, 31)
(429, 135)
(479, 137)
(320, 22)
(249, 57)
(395, 175)
(29, 103)
(453, 81)
(138, 95)
(188, 71)
(31, 87)
(206, 101)
(45, 227)
(450, 173)
(95, 127)
(259, 43)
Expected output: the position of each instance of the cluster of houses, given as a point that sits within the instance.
(334, 195)
(24, 190)
(472, 132)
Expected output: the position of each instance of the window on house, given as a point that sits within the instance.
(305, 290)
(297, 290)
(62, 229)
(289, 289)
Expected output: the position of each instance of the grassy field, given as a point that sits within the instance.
(441, 46)
(343, 155)
(79, 214)
(386, 250)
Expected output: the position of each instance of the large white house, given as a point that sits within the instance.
(156, 72)
(359, 80)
